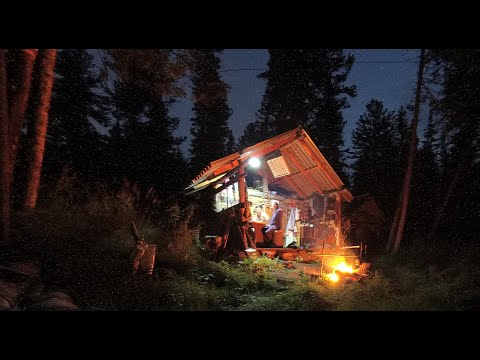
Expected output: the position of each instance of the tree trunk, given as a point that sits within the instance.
(24, 61)
(411, 157)
(394, 227)
(4, 153)
(446, 200)
(47, 66)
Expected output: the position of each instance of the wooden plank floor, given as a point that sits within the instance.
(316, 251)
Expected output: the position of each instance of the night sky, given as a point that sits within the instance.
(385, 74)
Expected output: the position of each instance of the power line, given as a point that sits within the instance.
(356, 62)
(253, 69)
(385, 62)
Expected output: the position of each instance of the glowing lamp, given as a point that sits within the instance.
(254, 162)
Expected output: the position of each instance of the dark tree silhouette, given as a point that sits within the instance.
(212, 137)
(306, 87)
(458, 71)
(77, 106)
(145, 150)
(376, 155)
(425, 183)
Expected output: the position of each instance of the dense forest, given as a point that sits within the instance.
(88, 145)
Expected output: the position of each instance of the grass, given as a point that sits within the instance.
(85, 248)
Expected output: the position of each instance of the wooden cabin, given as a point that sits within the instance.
(288, 169)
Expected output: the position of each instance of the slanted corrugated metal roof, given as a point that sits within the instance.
(310, 172)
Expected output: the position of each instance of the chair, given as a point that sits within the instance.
(279, 235)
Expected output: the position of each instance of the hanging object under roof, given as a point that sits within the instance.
(278, 166)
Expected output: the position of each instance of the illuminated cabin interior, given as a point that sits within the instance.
(288, 169)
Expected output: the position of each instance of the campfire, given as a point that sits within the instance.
(339, 269)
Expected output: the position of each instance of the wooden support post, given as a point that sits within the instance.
(264, 178)
(325, 201)
(226, 231)
(323, 249)
(242, 191)
(338, 208)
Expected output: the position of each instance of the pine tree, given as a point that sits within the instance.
(401, 128)
(374, 152)
(166, 165)
(306, 87)
(459, 110)
(425, 182)
(212, 137)
(142, 136)
(76, 106)
(251, 135)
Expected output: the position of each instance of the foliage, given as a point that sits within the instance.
(143, 138)
(457, 71)
(261, 266)
(305, 87)
(375, 150)
(85, 248)
(155, 70)
(85, 243)
(425, 183)
(212, 137)
(77, 107)
(298, 297)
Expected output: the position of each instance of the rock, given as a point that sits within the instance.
(54, 304)
(11, 291)
(4, 304)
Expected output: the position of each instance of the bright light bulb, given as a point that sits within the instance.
(254, 162)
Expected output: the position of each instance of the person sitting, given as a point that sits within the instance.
(260, 215)
(273, 224)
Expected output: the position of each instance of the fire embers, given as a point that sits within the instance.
(341, 272)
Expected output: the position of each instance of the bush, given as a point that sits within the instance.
(86, 246)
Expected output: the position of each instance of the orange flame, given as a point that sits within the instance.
(332, 277)
(342, 267)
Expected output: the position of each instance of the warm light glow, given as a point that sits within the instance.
(340, 266)
(332, 277)
(343, 267)
(278, 166)
(254, 162)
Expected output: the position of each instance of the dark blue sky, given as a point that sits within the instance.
(376, 74)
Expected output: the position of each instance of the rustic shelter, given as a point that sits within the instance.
(288, 169)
